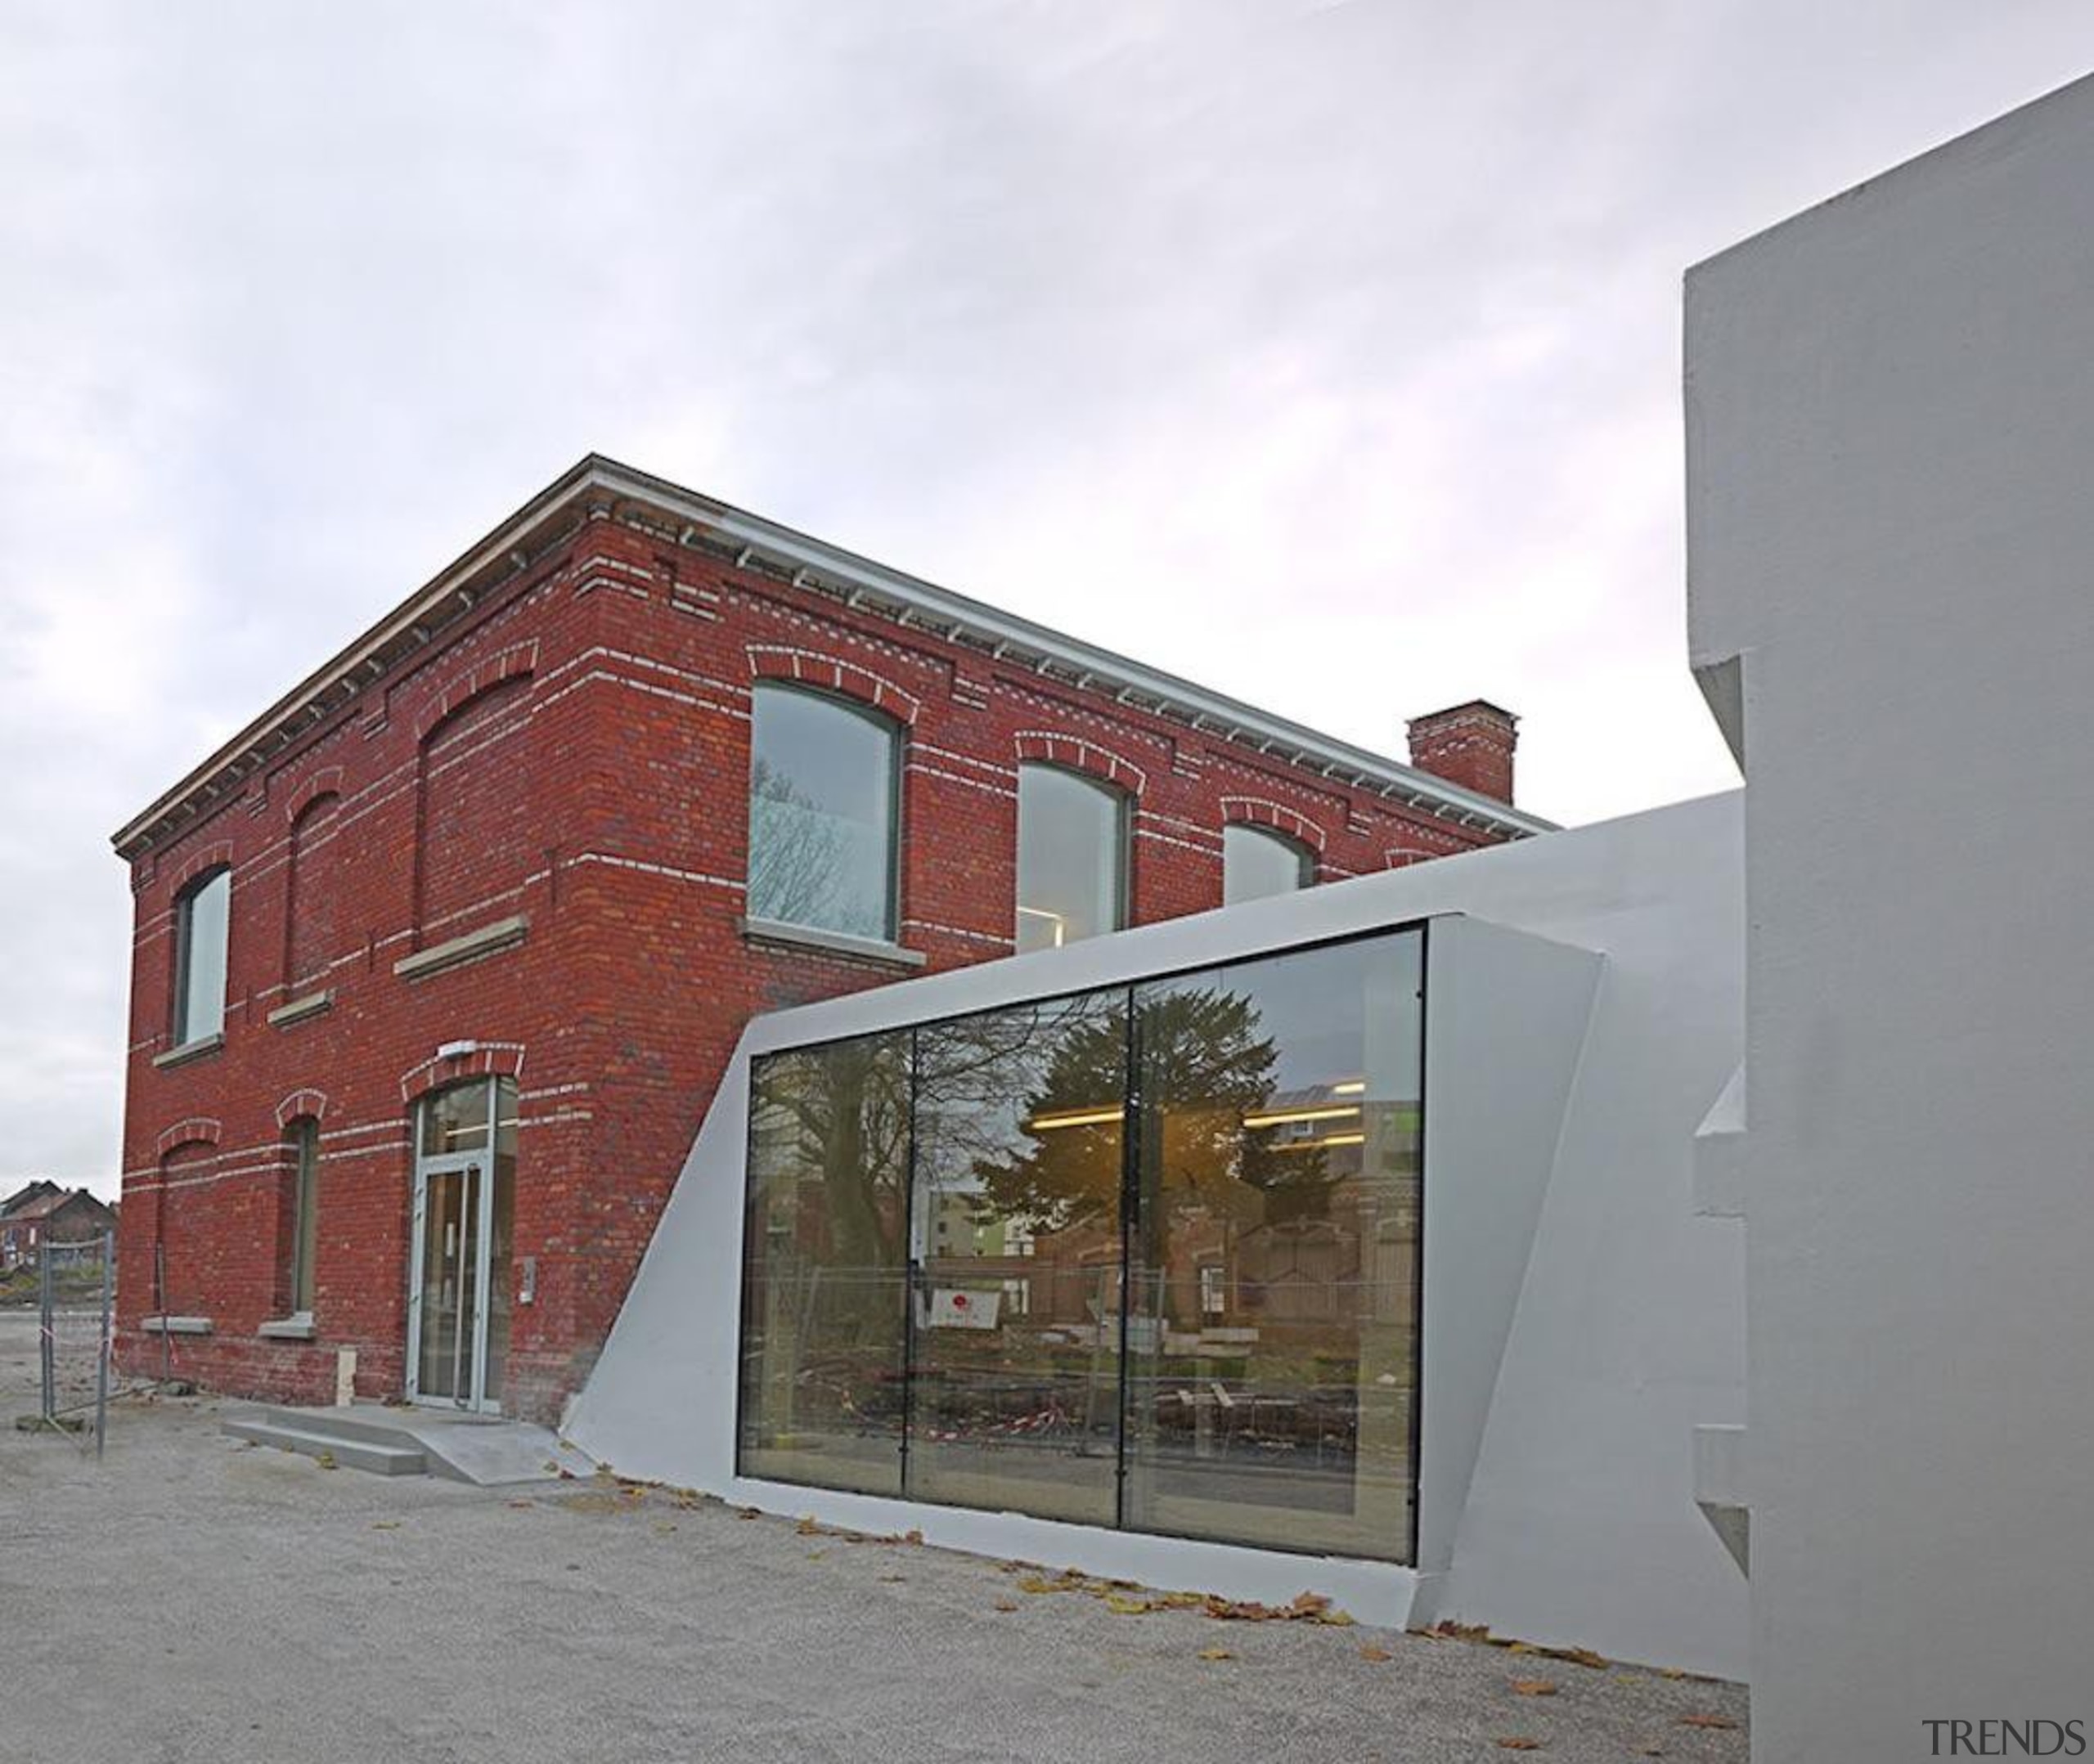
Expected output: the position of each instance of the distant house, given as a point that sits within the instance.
(44, 1213)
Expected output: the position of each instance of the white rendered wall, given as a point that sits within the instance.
(1890, 406)
(1580, 1320)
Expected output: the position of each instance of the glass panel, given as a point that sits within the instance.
(500, 1280)
(200, 988)
(1015, 1401)
(456, 1120)
(821, 815)
(1071, 858)
(1256, 863)
(305, 1214)
(450, 1227)
(824, 1305)
(1273, 1342)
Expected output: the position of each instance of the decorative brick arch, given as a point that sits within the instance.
(301, 1105)
(1074, 753)
(488, 1059)
(217, 856)
(196, 1130)
(829, 673)
(1262, 811)
(519, 661)
(327, 781)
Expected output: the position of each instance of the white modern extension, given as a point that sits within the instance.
(1342, 1242)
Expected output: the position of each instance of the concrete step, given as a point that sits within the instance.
(372, 1423)
(400, 1456)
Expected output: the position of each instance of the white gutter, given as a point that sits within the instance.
(1002, 635)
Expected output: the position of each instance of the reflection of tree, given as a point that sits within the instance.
(799, 870)
(1205, 1064)
(842, 1111)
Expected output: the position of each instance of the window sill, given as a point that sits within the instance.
(298, 1009)
(489, 939)
(296, 1328)
(775, 932)
(176, 1326)
(190, 1050)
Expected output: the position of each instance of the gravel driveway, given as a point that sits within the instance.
(193, 1599)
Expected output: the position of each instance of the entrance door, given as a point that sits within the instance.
(450, 1264)
(458, 1275)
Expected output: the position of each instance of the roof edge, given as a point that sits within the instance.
(857, 577)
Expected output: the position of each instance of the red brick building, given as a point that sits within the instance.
(534, 848)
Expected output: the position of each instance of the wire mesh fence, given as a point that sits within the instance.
(76, 1297)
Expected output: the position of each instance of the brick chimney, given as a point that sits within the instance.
(1469, 745)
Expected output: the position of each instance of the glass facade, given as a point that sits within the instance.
(824, 1283)
(1071, 858)
(1145, 1257)
(202, 918)
(1256, 862)
(822, 794)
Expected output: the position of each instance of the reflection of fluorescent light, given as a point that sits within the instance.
(1280, 1117)
(1318, 1145)
(1352, 1086)
(1040, 1124)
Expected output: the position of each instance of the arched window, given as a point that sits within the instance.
(822, 787)
(1071, 857)
(201, 924)
(1255, 862)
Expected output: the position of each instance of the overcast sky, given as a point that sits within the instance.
(1326, 353)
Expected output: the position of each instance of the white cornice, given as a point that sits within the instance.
(691, 519)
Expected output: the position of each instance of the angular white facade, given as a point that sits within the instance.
(1890, 422)
(1580, 1320)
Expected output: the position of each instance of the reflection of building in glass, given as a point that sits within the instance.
(1216, 1337)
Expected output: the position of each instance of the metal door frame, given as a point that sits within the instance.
(475, 1397)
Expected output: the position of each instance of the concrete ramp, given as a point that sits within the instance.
(482, 1449)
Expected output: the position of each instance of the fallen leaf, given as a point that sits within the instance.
(1520, 1647)
(663, 1527)
(1372, 1652)
(1650, 1751)
(891, 1578)
(1309, 1604)
(1336, 1619)
(1706, 1721)
(1216, 1653)
(807, 1528)
(748, 1512)
(523, 1501)
(1007, 1605)
(1120, 1606)
(1598, 1663)
(1518, 1743)
(1533, 1687)
(325, 1460)
(816, 1555)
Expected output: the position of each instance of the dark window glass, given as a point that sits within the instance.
(1071, 858)
(821, 815)
(941, 1230)
(201, 924)
(1272, 1335)
(1256, 862)
(1019, 1126)
(824, 1306)
(305, 1212)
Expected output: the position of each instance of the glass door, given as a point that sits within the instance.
(459, 1276)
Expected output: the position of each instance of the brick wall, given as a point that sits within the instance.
(574, 752)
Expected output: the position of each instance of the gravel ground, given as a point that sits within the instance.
(193, 1599)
